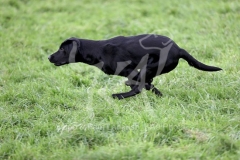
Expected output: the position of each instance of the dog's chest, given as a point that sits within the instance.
(107, 70)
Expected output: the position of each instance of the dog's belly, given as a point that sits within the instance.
(169, 66)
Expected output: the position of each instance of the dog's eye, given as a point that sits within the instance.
(61, 49)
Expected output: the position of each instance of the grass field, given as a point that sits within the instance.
(49, 112)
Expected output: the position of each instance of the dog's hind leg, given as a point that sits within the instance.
(131, 93)
(135, 85)
(136, 88)
(154, 89)
(150, 86)
(142, 79)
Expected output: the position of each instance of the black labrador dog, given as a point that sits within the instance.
(139, 58)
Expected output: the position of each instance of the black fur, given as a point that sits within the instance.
(136, 57)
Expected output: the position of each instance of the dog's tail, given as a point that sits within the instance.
(195, 63)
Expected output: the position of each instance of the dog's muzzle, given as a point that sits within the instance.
(51, 59)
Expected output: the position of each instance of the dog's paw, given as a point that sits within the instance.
(117, 96)
(157, 92)
(127, 83)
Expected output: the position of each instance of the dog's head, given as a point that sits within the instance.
(66, 53)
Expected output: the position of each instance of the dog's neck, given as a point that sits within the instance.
(87, 50)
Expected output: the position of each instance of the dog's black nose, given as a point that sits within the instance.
(50, 57)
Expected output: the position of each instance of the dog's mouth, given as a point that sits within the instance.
(60, 64)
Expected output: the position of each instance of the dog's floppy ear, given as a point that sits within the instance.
(110, 48)
(74, 50)
(69, 40)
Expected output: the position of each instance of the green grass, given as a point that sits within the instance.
(67, 112)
